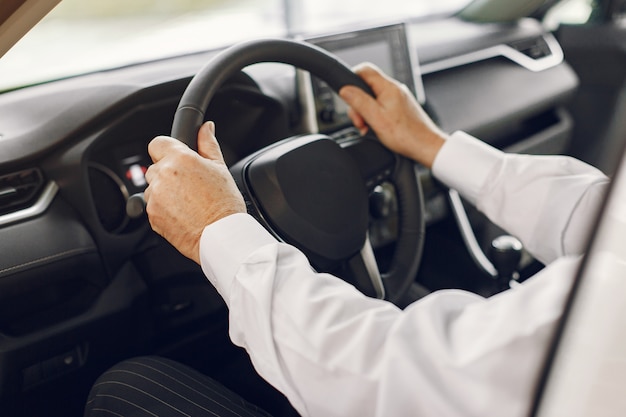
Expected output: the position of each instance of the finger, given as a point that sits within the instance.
(147, 192)
(150, 173)
(160, 146)
(374, 77)
(362, 103)
(357, 121)
(208, 147)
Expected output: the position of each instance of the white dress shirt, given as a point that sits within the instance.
(334, 352)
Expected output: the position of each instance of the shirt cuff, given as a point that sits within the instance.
(464, 164)
(226, 244)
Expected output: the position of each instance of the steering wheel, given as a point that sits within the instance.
(310, 191)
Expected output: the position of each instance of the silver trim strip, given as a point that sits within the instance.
(369, 260)
(536, 65)
(307, 101)
(467, 233)
(416, 73)
(41, 205)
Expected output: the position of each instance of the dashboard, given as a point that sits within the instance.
(76, 270)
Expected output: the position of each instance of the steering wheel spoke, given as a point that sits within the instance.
(365, 272)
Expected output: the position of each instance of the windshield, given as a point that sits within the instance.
(81, 36)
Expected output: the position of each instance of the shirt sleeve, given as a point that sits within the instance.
(334, 352)
(548, 202)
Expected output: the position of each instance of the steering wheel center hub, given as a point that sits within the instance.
(312, 193)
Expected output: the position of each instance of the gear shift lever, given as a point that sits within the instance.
(505, 254)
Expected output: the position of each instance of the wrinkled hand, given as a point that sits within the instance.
(397, 118)
(188, 191)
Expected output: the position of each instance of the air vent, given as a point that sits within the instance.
(535, 48)
(19, 190)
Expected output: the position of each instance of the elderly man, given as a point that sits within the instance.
(333, 351)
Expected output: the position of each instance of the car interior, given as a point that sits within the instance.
(85, 284)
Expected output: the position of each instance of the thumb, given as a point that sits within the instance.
(208, 147)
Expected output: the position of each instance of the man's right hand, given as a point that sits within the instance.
(397, 118)
(188, 191)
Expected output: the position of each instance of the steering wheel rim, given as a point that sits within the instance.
(192, 108)
(203, 86)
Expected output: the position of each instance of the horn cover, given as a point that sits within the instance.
(312, 193)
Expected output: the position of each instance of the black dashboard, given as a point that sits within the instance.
(72, 152)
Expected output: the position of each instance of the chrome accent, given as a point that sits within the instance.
(416, 74)
(8, 191)
(369, 260)
(40, 206)
(307, 101)
(467, 233)
(536, 65)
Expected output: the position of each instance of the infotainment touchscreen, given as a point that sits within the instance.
(386, 46)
